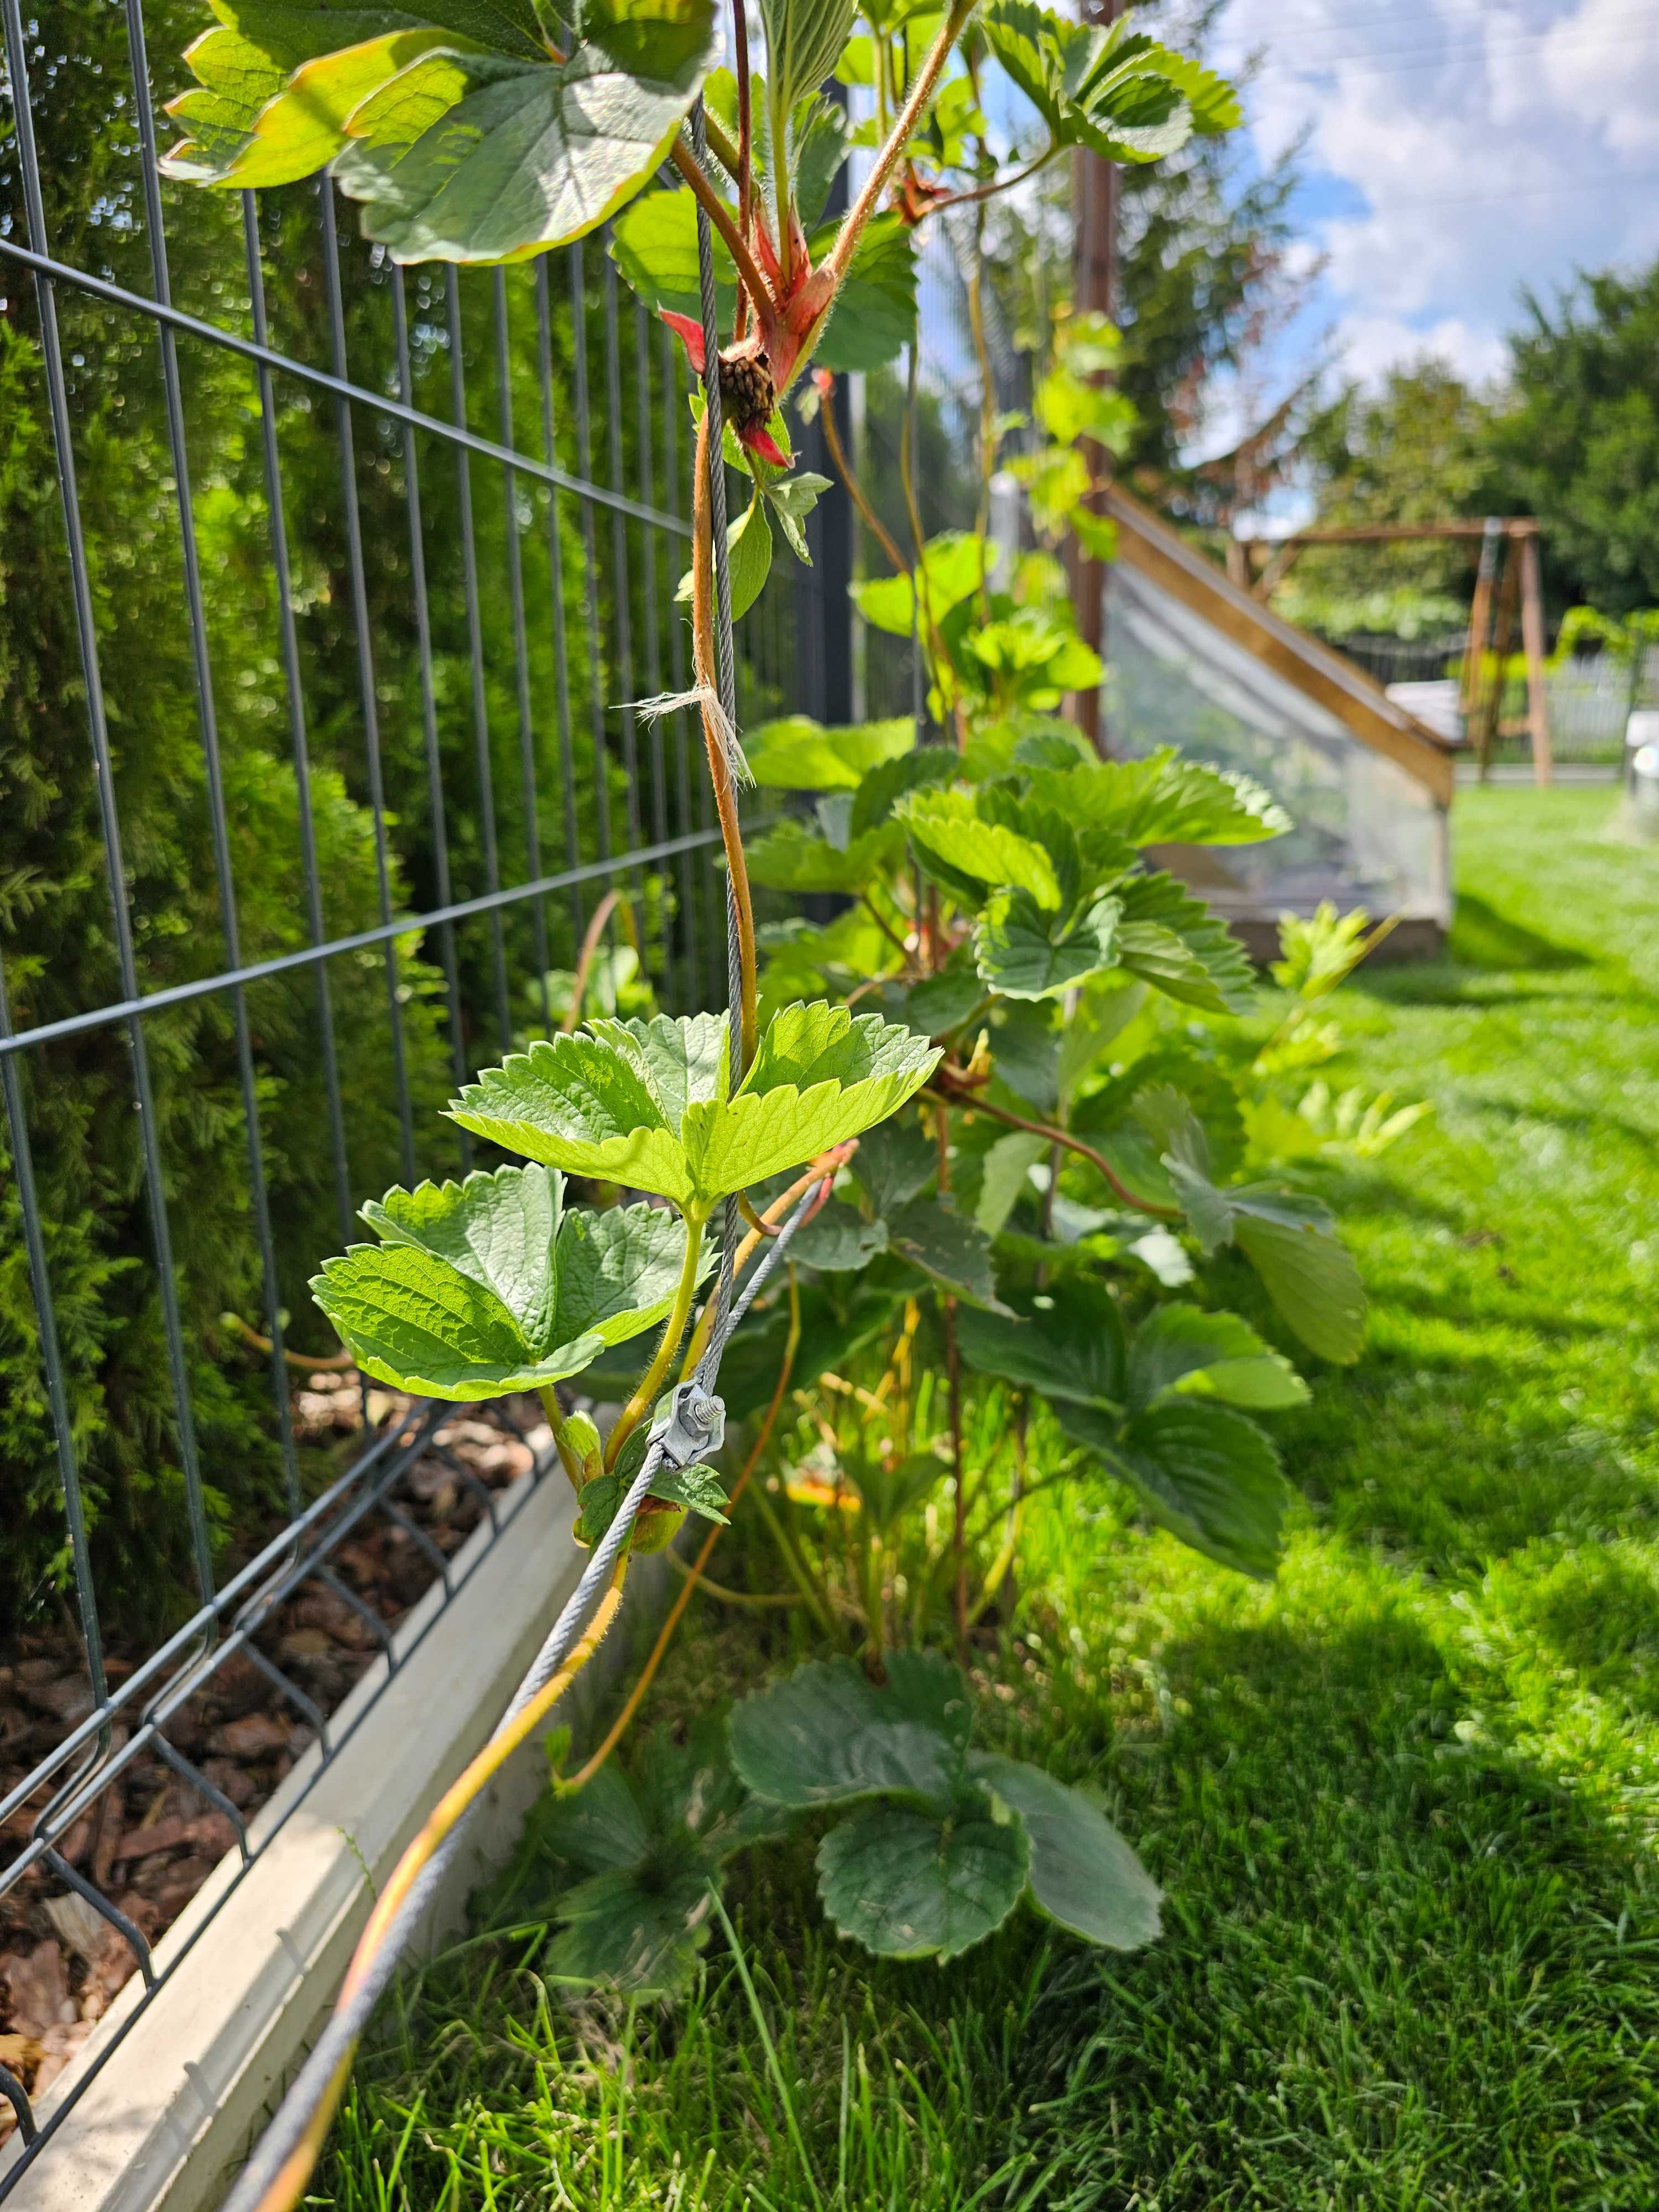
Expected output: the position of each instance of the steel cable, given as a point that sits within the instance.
(277, 2170)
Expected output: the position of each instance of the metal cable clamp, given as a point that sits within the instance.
(691, 1424)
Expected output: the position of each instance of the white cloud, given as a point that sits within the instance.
(1456, 151)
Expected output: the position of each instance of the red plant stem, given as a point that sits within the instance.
(720, 216)
(1071, 1144)
(898, 138)
(719, 772)
(602, 914)
(745, 144)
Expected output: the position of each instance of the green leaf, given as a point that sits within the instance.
(955, 1251)
(1180, 1349)
(1067, 1342)
(1311, 1277)
(791, 499)
(954, 566)
(1111, 89)
(643, 1103)
(490, 1285)
(885, 785)
(479, 157)
(910, 1884)
(827, 1736)
(578, 1103)
(1082, 1872)
(947, 825)
(790, 858)
(799, 754)
(895, 1164)
(1006, 1175)
(1175, 942)
(874, 314)
(1027, 954)
(1291, 1243)
(804, 42)
(748, 556)
(838, 1240)
(941, 1003)
(654, 243)
(251, 122)
(423, 1326)
(650, 1846)
(496, 1230)
(1167, 799)
(1210, 1476)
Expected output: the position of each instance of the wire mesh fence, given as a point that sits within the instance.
(327, 589)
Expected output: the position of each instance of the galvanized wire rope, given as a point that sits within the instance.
(281, 2162)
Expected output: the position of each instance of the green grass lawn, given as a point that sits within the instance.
(1402, 1800)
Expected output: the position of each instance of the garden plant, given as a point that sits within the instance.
(987, 1100)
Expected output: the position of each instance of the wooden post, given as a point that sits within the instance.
(1491, 695)
(1474, 655)
(1095, 291)
(1532, 642)
(1238, 563)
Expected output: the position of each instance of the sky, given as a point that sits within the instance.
(1456, 151)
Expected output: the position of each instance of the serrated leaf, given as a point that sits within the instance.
(497, 1230)
(649, 1846)
(941, 1003)
(874, 314)
(244, 65)
(1210, 1476)
(804, 42)
(1082, 1874)
(799, 754)
(422, 1326)
(480, 157)
(1026, 953)
(953, 1250)
(948, 826)
(895, 1164)
(1173, 941)
(680, 1057)
(618, 1271)
(954, 566)
(838, 1240)
(791, 499)
(885, 785)
(910, 1884)
(790, 858)
(1067, 1342)
(1291, 1241)
(1167, 799)
(1108, 89)
(827, 1736)
(575, 1103)
(1311, 1277)
(1180, 1349)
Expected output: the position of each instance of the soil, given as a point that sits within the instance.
(151, 1839)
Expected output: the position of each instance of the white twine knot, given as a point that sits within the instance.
(704, 697)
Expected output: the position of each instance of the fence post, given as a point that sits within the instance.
(1532, 641)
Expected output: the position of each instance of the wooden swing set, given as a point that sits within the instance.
(1508, 574)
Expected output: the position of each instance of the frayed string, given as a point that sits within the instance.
(707, 700)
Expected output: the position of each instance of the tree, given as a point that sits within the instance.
(1417, 450)
(1580, 444)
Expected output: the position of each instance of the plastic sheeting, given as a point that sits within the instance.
(1367, 833)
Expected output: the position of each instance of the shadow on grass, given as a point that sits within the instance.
(1393, 1960)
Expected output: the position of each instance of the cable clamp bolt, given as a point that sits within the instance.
(691, 1424)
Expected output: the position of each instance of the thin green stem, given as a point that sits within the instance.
(645, 1396)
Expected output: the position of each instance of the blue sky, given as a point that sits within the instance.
(1456, 151)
